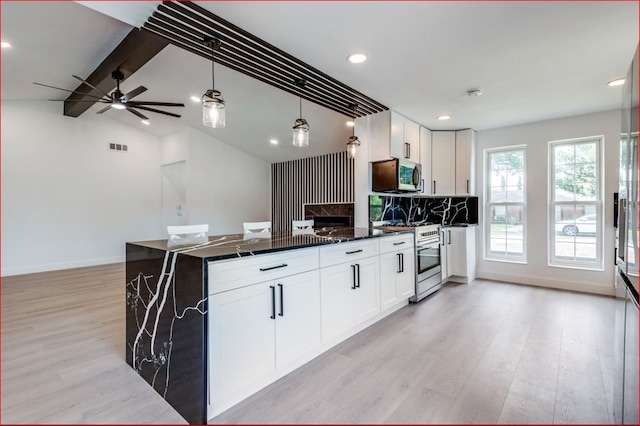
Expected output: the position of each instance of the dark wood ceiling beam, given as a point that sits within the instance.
(137, 48)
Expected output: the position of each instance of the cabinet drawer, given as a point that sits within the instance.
(396, 242)
(348, 252)
(230, 274)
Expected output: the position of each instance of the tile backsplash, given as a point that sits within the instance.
(440, 210)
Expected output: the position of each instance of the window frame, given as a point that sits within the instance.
(486, 240)
(552, 260)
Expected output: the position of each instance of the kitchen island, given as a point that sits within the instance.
(192, 331)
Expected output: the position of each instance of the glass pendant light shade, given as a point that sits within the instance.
(352, 146)
(213, 106)
(301, 133)
(301, 127)
(354, 143)
(213, 109)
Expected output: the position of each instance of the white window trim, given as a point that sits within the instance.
(486, 229)
(598, 264)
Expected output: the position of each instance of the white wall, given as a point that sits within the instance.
(225, 186)
(536, 137)
(67, 201)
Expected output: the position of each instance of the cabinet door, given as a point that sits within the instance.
(389, 269)
(241, 337)
(465, 141)
(444, 254)
(425, 160)
(405, 280)
(366, 296)
(457, 251)
(396, 138)
(336, 292)
(297, 316)
(412, 138)
(443, 162)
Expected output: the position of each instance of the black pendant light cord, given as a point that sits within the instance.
(213, 75)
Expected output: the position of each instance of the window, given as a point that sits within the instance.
(505, 205)
(575, 205)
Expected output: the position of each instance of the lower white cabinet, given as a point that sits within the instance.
(256, 329)
(350, 295)
(397, 277)
(458, 254)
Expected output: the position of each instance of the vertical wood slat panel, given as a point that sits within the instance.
(316, 180)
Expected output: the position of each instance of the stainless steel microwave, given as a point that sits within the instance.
(395, 175)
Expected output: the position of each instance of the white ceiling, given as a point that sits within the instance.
(533, 61)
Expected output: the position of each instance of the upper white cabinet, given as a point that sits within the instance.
(443, 161)
(425, 160)
(394, 136)
(465, 164)
(451, 162)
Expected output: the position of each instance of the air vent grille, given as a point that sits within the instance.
(118, 147)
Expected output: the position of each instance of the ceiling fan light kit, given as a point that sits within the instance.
(213, 106)
(119, 100)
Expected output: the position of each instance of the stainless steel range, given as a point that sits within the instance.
(428, 270)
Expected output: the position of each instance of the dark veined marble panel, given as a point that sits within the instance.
(444, 211)
(166, 307)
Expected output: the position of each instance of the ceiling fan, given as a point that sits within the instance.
(119, 100)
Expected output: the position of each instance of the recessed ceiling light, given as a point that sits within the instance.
(357, 58)
(616, 82)
(351, 123)
(145, 122)
(196, 99)
(444, 117)
(273, 142)
(5, 44)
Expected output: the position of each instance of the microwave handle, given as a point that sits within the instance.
(417, 176)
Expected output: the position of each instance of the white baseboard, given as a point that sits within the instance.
(543, 282)
(63, 265)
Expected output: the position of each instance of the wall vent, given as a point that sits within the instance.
(117, 147)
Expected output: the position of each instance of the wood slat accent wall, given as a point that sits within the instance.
(323, 179)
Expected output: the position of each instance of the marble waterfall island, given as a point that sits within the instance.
(167, 292)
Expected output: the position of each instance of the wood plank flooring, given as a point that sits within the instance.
(485, 352)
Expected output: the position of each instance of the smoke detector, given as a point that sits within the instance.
(474, 92)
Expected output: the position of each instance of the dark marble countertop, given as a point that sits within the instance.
(238, 245)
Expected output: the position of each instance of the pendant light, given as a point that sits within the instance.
(301, 127)
(354, 143)
(213, 107)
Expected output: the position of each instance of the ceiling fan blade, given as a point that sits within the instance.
(72, 91)
(172, 104)
(158, 111)
(94, 102)
(134, 93)
(133, 111)
(104, 110)
(92, 86)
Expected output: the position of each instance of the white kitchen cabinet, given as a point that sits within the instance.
(458, 254)
(452, 162)
(394, 136)
(259, 328)
(443, 161)
(425, 161)
(349, 293)
(397, 269)
(465, 164)
(397, 277)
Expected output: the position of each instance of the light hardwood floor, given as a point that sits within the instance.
(486, 352)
